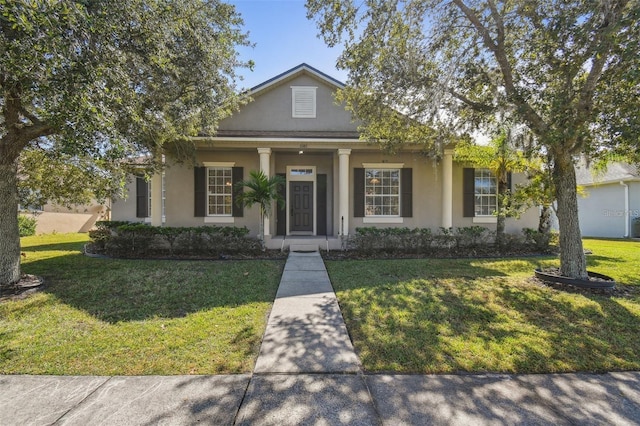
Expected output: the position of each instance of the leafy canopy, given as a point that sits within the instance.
(568, 70)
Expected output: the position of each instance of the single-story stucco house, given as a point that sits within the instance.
(611, 202)
(335, 182)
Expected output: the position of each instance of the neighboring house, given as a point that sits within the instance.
(335, 182)
(56, 218)
(611, 201)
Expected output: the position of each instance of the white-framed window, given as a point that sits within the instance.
(486, 191)
(303, 101)
(219, 191)
(382, 192)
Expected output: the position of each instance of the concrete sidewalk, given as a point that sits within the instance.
(308, 373)
(312, 399)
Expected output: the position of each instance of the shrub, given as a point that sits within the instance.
(370, 239)
(540, 240)
(124, 239)
(471, 236)
(27, 225)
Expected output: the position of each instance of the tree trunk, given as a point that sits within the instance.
(261, 231)
(544, 224)
(501, 217)
(9, 232)
(572, 260)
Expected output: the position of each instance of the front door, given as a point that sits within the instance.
(301, 205)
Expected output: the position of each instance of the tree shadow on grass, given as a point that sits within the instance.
(132, 290)
(434, 326)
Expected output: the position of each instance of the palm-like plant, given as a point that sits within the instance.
(263, 191)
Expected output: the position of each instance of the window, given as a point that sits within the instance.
(382, 192)
(485, 192)
(219, 191)
(303, 102)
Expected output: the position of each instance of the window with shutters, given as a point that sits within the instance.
(303, 101)
(382, 192)
(486, 190)
(219, 191)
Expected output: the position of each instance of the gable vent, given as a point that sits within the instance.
(303, 101)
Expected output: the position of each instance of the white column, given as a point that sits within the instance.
(447, 189)
(343, 191)
(265, 163)
(156, 199)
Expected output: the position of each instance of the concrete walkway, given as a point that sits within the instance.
(306, 332)
(307, 373)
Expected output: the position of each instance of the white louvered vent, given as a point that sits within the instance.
(303, 101)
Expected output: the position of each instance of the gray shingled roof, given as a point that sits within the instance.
(615, 172)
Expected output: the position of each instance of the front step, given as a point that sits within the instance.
(304, 248)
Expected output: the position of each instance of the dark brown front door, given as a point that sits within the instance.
(301, 206)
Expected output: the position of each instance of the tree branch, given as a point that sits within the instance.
(478, 106)
(498, 49)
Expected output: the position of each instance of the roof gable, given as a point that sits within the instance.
(294, 72)
(297, 103)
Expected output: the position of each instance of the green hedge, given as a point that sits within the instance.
(467, 239)
(125, 239)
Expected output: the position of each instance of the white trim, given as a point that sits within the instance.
(294, 71)
(382, 219)
(310, 178)
(219, 219)
(485, 219)
(219, 164)
(383, 165)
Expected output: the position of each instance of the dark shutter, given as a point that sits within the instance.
(200, 191)
(142, 197)
(358, 192)
(406, 197)
(468, 193)
(281, 212)
(509, 188)
(237, 174)
(321, 205)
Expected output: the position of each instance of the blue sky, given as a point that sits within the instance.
(284, 38)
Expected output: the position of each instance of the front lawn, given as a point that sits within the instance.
(469, 315)
(129, 317)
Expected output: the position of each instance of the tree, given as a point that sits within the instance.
(95, 82)
(568, 70)
(263, 191)
(500, 157)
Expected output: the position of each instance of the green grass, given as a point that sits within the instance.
(126, 317)
(444, 316)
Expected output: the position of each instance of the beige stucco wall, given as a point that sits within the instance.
(62, 219)
(179, 187)
(271, 111)
(124, 209)
(427, 189)
(528, 219)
